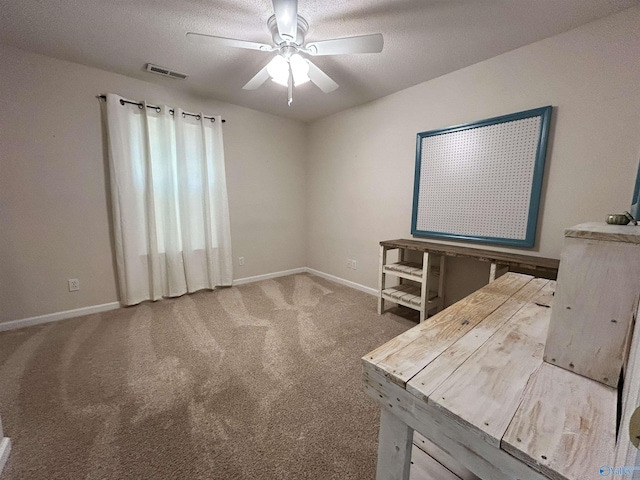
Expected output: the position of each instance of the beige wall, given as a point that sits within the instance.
(54, 210)
(353, 190)
(361, 162)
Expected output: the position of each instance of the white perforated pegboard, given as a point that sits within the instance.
(477, 182)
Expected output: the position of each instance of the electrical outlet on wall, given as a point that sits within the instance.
(241, 261)
(353, 264)
(74, 284)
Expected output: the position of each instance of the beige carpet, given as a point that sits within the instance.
(261, 381)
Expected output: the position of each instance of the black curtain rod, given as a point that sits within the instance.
(158, 109)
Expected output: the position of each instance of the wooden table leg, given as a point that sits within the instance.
(381, 279)
(424, 289)
(394, 448)
(5, 448)
(497, 271)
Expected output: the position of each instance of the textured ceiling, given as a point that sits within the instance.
(423, 40)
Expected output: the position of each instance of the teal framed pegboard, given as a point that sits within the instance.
(482, 181)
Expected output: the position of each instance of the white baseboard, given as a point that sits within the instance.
(267, 276)
(284, 273)
(78, 312)
(54, 317)
(348, 283)
(5, 449)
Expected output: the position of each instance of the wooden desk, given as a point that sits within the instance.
(429, 295)
(514, 261)
(472, 380)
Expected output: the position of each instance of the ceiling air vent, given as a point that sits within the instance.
(165, 71)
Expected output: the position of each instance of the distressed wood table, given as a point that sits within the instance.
(472, 380)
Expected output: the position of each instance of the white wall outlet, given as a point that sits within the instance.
(348, 263)
(353, 265)
(74, 284)
(241, 261)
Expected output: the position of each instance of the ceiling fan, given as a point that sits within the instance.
(289, 67)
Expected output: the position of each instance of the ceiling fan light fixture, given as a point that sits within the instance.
(278, 70)
(288, 34)
(300, 69)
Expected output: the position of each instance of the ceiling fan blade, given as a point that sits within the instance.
(286, 18)
(338, 46)
(227, 42)
(257, 80)
(321, 79)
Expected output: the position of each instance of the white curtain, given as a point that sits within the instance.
(169, 198)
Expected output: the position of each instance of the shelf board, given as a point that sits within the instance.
(409, 296)
(411, 271)
(406, 293)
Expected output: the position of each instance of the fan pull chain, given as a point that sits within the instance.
(290, 87)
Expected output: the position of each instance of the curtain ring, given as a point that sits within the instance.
(139, 106)
(213, 119)
(183, 116)
(198, 117)
(121, 102)
(158, 109)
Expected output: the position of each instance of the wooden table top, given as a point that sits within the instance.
(480, 362)
(513, 260)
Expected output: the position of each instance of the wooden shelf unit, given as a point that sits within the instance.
(426, 293)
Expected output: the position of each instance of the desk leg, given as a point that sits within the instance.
(381, 279)
(497, 271)
(394, 448)
(424, 288)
